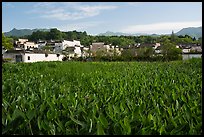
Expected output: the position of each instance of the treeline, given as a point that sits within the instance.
(121, 41)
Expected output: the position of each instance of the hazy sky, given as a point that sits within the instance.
(99, 17)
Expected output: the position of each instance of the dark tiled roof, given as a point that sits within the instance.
(158, 48)
(146, 45)
(15, 51)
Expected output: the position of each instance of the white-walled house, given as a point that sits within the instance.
(36, 57)
(186, 50)
(22, 56)
(196, 48)
(156, 45)
(30, 45)
(85, 52)
(25, 44)
(158, 50)
(65, 44)
(41, 44)
(73, 43)
(21, 41)
(13, 55)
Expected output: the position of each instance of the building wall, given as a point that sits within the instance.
(78, 51)
(77, 42)
(12, 56)
(30, 44)
(41, 57)
(198, 49)
(40, 45)
(185, 50)
(157, 51)
(97, 46)
(22, 41)
(67, 44)
(190, 56)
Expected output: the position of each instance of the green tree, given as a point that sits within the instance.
(128, 54)
(146, 52)
(173, 37)
(200, 40)
(55, 34)
(7, 42)
(169, 51)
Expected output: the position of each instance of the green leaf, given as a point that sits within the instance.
(173, 95)
(77, 121)
(183, 98)
(90, 126)
(100, 130)
(103, 120)
(174, 123)
(127, 125)
(176, 130)
(162, 129)
(30, 114)
(177, 105)
(60, 125)
(150, 117)
(17, 113)
(170, 111)
(39, 125)
(13, 125)
(146, 130)
(121, 107)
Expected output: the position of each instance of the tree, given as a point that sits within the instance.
(7, 42)
(200, 40)
(146, 52)
(55, 34)
(169, 51)
(173, 37)
(38, 35)
(128, 54)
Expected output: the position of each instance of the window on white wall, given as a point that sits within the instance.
(28, 57)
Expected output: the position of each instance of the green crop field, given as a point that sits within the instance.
(102, 98)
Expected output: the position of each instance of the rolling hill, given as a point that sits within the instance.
(191, 31)
(22, 32)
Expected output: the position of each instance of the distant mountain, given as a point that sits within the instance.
(109, 33)
(191, 31)
(22, 32)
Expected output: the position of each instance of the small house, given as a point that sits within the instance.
(30, 56)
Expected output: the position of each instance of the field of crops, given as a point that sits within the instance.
(102, 98)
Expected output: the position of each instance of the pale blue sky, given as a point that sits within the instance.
(99, 17)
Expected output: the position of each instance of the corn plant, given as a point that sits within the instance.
(102, 98)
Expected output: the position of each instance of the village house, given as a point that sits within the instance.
(185, 48)
(25, 44)
(97, 46)
(75, 45)
(100, 46)
(157, 45)
(41, 44)
(85, 52)
(30, 56)
(158, 50)
(196, 48)
(50, 46)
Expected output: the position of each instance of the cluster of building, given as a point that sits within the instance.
(26, 51)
